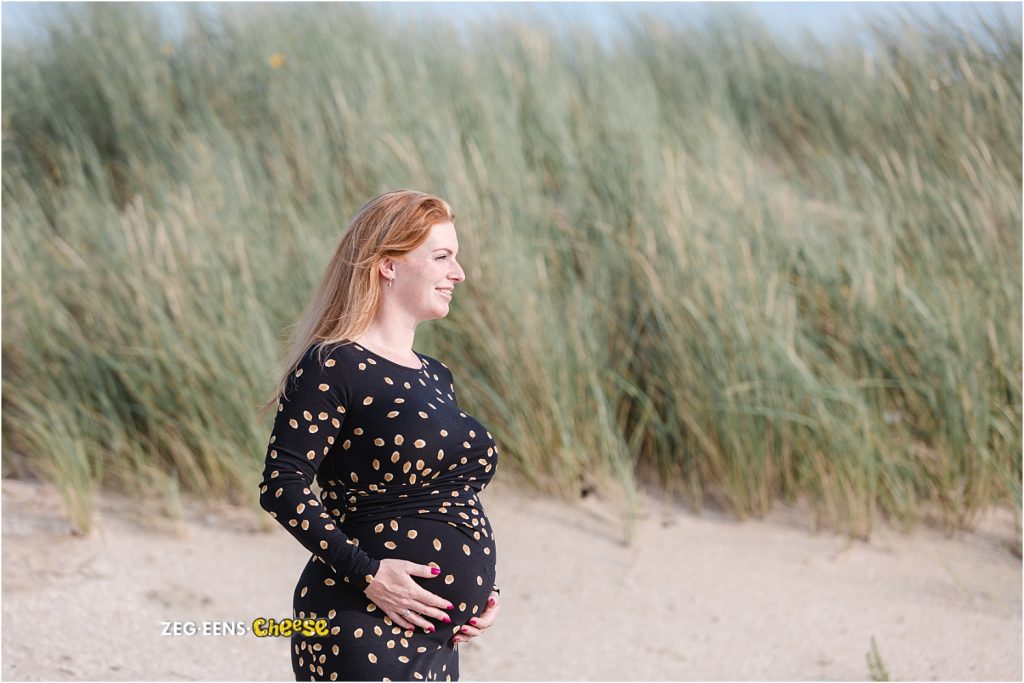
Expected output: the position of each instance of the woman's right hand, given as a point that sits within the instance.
(394, 591)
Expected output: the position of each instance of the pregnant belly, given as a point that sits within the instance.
(467, 565)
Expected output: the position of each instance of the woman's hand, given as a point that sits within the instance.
(394, 591)
(478, 625)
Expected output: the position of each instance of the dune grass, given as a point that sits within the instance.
(762, 276)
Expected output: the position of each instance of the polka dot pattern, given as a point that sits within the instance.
(399, 466)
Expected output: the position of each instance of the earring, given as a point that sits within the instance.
(390, 280)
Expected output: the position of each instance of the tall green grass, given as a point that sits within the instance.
(696, 254)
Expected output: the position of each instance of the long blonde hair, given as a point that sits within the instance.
(348, 296)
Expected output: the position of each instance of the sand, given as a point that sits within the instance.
(693, 597)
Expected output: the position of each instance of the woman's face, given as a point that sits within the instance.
(425, 277)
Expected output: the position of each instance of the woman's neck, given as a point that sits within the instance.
(397, 345)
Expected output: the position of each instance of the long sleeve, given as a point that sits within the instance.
(309, 417)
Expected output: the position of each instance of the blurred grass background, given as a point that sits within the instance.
(694, 259)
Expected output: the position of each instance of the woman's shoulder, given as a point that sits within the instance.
(349, 356)
(331, 354)
(432, 364)
(319, 366)
(328, 360)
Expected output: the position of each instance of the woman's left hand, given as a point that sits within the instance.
(477, 625)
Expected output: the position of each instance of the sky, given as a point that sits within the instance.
(823, 20)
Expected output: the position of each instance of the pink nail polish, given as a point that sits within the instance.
(473, 622)
(490, 601)
(435, 570)
(447, 620)
(450, 607)
(455, 640)
(429, 629)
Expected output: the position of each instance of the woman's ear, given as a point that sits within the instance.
(387, 268)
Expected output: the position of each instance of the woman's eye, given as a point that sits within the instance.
(442, 256)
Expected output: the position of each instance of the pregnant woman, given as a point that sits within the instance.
(403, 557)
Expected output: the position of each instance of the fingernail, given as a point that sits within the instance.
(447, 620)
(455, 640)
(490, 601)
(435, 570)
(429, 629)
(450, 607)
(473, 622)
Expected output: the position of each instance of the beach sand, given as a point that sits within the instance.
(692, 598)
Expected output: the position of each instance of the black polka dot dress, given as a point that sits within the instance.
(399, 467)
